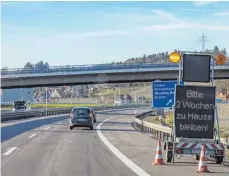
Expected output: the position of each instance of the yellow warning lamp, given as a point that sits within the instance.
(220, 59)
(174, 57)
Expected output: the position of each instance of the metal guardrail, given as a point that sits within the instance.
(157, 131)
(163, 132)
(7, 116)
(75, 68)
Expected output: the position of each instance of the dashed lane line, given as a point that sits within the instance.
(10, 150)
(47, 128)
(32, 135)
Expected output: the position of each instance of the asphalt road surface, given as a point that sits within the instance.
(46, 147)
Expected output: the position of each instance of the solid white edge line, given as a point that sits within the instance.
(10, 150)
(32, 135)
(136, 169)
(47, 128)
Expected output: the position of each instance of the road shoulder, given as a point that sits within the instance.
(141, 149)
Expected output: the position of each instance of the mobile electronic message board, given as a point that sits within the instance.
(194, 111)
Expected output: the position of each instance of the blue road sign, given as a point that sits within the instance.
(163, 93)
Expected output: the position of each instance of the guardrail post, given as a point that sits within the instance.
(142, 125)
(159, 132)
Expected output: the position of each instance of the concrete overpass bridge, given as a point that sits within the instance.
(95, 74)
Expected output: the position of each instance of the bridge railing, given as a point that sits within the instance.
(75, 68)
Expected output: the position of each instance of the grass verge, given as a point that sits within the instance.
(3, 109)
(152, 119)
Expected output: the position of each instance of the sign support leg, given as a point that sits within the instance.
(173, 152)
(179, 73)
(212, 76)
(174, 133)
(217, 119)
(216, 109)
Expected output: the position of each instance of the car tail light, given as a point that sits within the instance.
(71, 115)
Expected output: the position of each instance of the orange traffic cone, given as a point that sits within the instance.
(203, 161)
(158, 157)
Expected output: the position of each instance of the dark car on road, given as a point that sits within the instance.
(81, 116)
(20, 105)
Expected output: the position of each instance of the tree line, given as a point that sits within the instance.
(38, 65)
(151, 58)
(163, 56)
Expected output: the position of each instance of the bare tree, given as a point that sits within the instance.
(224, 51)
(223, 86)
(216, 50)
(4, 68)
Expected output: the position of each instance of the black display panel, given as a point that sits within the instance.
(196, 68)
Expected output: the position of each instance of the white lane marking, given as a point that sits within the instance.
(59, 123)
(136, 169)
(47, 128)
(32, 135)
(29, 120)
(10, 150)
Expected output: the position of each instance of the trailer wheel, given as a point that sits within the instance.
(169, 155)
(218, 159)
(197, 157)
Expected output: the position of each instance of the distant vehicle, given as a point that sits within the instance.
(94, 115)
(20, 105)
(219, 100)
(81, 116)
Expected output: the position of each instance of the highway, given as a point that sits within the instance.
(46, 147)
